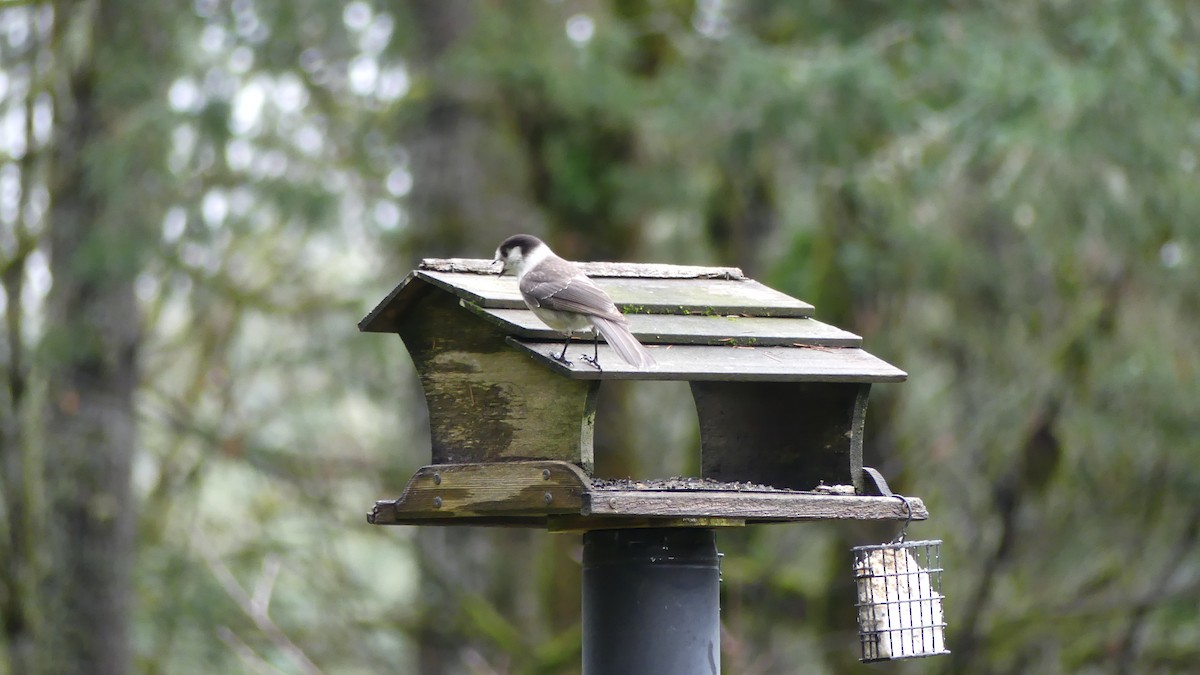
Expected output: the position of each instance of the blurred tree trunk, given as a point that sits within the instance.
(18, 484)
(466, 197)
(488, 593)
(91, 347)
(90, 435)
(465, 571)
(444, 184)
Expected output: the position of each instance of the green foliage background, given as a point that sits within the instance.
(1002, 198)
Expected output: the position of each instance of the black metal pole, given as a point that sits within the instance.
(651, 602)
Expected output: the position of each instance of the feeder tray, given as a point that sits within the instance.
(562, 497)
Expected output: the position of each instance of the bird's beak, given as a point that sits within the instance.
(498, 266)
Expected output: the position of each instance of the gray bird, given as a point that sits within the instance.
(565, 299)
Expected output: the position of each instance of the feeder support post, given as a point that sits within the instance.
(651, 602)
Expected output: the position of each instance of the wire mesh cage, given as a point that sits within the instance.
(900, 600)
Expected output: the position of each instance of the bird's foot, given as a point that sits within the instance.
(561, 359)
(591, 361)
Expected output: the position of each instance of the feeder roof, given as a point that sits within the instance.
(699, 323)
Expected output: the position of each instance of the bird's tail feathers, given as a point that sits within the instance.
(623, 342)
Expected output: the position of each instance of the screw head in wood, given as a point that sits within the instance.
(437, 502)
(545, 474)
(548, 497)
(437, 479)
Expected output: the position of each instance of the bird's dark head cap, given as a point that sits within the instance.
(525, 242)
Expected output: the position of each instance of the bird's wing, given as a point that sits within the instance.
(579, 294)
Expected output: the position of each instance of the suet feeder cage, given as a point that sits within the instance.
(900, 600)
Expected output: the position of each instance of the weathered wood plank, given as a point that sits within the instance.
(594, 269)
(635, 287)
(488, 402)
(501, 488)
(383, 513)
(749, 505)
(563, 523)
(704, 362)
(717, 297)
(693, 329)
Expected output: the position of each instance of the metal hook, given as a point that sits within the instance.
(882, 487)
(904, 530)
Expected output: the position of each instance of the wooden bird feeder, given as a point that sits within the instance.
(781, 399)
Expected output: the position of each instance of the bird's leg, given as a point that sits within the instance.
(594, 359)
(562, 358)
